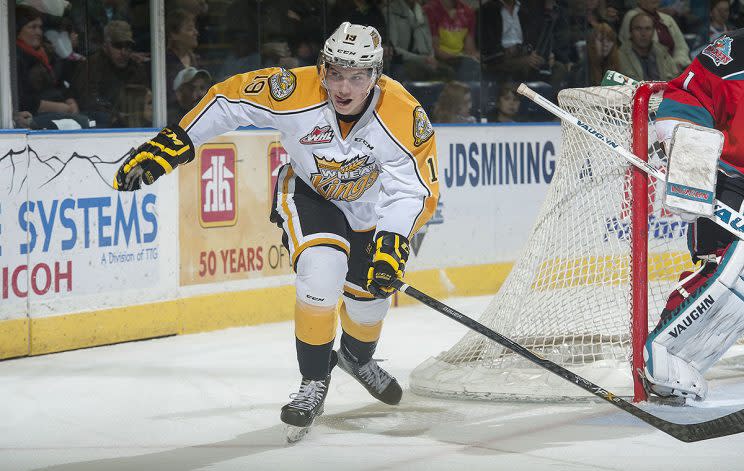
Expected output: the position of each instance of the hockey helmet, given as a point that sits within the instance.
(353, 46)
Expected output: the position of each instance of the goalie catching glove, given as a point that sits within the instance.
(160, 155)
(388, 263)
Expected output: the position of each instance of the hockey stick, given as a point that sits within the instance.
(723, 214)
(727, 425)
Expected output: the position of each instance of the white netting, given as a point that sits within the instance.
(568, 298)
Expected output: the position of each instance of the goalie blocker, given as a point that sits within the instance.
(693, 153)
(704, 314)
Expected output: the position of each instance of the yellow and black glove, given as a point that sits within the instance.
(158, 156)
(388, 263)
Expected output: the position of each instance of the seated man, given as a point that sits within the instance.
(107, 71)
(642, 58)
(665, 31)
(522, 43)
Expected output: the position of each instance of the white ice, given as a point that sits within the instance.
(211, 402)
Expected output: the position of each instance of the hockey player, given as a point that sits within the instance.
(704, 315)
(362, 179)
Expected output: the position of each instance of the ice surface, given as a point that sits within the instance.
(211, 402)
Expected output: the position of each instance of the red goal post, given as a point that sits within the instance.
(639, 234)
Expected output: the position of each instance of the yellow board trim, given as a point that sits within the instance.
(14, 341)
(211, 312)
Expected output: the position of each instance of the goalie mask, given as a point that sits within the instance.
(350, 65)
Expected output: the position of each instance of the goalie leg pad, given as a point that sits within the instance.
(672, 376)
(704, 317)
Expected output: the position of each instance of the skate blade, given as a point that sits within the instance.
(295, 434)
(653, 398)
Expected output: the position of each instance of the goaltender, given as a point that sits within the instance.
(700, 121)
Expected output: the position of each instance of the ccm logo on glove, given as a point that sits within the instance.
(388, 263)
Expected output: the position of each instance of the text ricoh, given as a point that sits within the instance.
(97, 222)
(499, 163)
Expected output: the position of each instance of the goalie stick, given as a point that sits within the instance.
(727, 425)
(723, 214)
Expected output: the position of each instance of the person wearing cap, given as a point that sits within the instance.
(189, 86)
(107, 71)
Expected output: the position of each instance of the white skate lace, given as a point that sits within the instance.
(309, 395)
(375, 376)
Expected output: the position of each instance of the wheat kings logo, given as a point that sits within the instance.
(318, 135)
(344, 181)
(282, 84)
(422, 128)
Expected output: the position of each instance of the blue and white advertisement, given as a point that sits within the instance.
(68, 241)
(493, 180)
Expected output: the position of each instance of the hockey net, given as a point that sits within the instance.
(580, 285)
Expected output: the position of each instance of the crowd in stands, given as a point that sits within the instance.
(88, 64)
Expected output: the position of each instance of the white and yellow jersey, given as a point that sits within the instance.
(381, 172)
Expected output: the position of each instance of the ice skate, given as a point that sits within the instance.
(380, 384)
(305, 406)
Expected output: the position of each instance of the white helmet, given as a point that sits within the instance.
(354, 46)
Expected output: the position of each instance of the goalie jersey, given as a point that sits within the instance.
(381, 173)
(710, 92)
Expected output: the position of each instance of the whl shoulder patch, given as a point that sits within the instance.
(422, 128)
(282, 84)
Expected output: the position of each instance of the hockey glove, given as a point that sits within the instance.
(166, 151)
(388, 263)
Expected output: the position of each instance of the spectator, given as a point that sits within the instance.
(39, 91)
(454, 104)
(133, 107)
(308, 34)
(410, 37)
(510, 54)
(278, 53)
(96, 15)
(182, 39)
(642, 58)
(666, 31)
(550, 33)
(603, 53)
(241, 30)
(599, 11)
(719, 19)
(107, 72)
(360, 12)
(507, 105)
(452, 24)
(190, 86)
(686, 18)
(64, 40)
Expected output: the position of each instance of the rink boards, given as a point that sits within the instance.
(83, 265)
